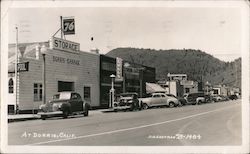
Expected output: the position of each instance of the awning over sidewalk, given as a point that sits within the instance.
(152, 87)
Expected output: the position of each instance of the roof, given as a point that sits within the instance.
(153, 87)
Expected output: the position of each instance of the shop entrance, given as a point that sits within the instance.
(65, 86)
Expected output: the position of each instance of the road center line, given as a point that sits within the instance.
(132, 128)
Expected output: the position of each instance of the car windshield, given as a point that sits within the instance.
(64, 96)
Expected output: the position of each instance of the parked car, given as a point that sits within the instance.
(233, 97)
(196, 98)
(64, 104)
(158, 99)
(219, 98)
(127, 101)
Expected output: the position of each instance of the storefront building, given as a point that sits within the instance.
(134, 78)
(68, 69)
(65, 70)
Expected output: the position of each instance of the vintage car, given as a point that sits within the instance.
(64, 104)
(158, 99)
(196, 98)
(126, 101)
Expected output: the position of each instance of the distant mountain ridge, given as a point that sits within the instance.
(197, 64)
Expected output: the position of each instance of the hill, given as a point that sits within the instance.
(197, 64)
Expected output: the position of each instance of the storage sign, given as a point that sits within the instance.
(69, 26)
(118, 69)
(23, 67)
(65, 45)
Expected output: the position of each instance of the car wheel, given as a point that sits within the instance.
(171, 104)
(144, 106)
(65, 114)
(43, 117)
(86, 113)
(199, 102)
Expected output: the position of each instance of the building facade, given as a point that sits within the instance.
(134, 77)
(68, 69)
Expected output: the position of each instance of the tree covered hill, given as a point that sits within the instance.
(197, 64)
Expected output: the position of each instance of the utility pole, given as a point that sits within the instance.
(16, 72)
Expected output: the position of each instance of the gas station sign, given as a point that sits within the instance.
(68, 26)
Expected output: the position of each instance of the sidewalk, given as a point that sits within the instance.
(24, 117)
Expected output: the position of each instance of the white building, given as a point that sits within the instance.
(66, 69)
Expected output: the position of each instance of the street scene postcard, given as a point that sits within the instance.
(125, 76)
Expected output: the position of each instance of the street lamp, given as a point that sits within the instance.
(43, 52)
(207, 86)
(112, 91)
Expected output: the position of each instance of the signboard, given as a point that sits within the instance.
(118, 69)
(64, 45)
(68, 26)
(23, 67)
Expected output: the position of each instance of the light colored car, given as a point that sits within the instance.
(158, 99)
(195, 98)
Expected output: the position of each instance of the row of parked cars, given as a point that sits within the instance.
(70, 103)
(131, 101)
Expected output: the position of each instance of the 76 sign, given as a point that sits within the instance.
(68, 26)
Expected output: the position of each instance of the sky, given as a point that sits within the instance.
(214, 30)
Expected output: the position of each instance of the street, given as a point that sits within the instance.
(213, 124)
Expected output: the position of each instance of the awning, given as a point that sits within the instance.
(152, 87)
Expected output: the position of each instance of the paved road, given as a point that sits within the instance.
(207, 124)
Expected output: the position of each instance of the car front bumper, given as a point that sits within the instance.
(50, 113)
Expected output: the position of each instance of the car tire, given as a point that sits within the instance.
(171, 104)
(65, 114)
(144, 106)
(43, 117)
(86, 113)
(199, 102)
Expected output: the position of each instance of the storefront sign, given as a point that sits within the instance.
(69, 26)
(23, 67)
(64, 45)
(66, 60)
(118, 69)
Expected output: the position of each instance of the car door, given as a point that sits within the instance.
(164, 99)
(76, 102)
(156, 100)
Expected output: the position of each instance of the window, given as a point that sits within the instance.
(11, 86)
(75, 96)
(87, 95)
(38, 92)
(157, 95)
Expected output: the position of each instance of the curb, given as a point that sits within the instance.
(22, 119)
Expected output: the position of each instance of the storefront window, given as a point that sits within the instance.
(11, 86)
(38, 92)
(87, 93)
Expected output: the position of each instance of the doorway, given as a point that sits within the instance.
(65, 86)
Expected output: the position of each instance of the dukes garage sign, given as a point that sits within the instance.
(65, 45)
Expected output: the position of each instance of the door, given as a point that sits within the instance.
(76, 102)
(65, 86)
(156, 100)
(164, 99)
(87, 94)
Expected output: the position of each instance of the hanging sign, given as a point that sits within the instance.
(23, 67)
(68, 26)
(119, 63)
